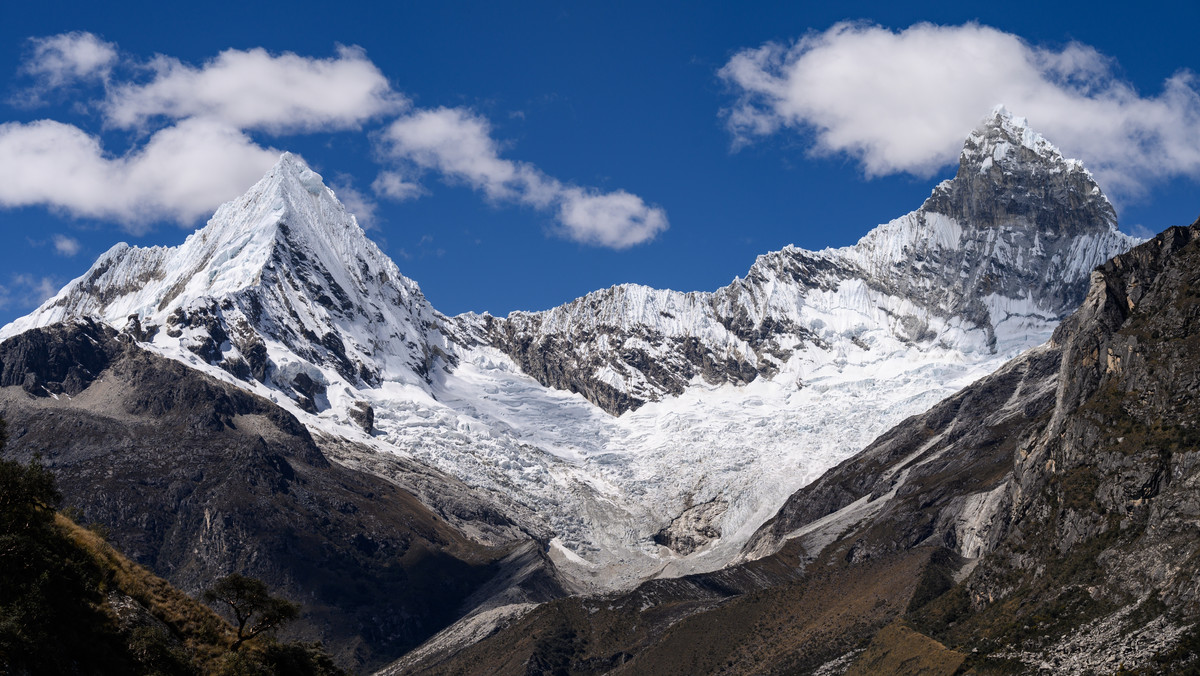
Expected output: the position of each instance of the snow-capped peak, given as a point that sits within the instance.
(1000, 133)
(283, 264)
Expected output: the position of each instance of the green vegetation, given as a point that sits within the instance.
(254, 610)
(71, 604)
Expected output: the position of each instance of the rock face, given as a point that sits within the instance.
(1067, 481)
(195, 479)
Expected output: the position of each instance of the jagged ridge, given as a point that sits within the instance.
(990, 262)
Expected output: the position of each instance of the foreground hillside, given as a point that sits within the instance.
(1043, 518)
(71, 604)
(196, 479)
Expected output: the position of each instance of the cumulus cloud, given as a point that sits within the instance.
(903, 101)
(63, 59)
(254, 89)
(66, 246)
(193, 150)
(459, 144)
(615, 219)
(181, 173)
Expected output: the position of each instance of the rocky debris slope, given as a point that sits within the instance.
(195, 479)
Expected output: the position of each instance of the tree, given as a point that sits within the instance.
(254, 609)
(50, 589)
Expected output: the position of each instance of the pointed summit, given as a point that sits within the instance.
(1010, 175)
(284, 265)
(1003, 139)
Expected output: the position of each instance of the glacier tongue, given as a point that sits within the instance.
(648, 431)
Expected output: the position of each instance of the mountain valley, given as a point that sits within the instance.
(606, 485)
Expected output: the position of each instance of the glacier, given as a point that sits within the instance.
(638, 432)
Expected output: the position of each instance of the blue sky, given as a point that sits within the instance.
(518, 157)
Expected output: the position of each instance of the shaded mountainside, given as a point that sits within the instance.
(1043, 518)
(69, 604)
(196, 479)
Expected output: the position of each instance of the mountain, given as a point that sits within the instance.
(274, 397)
(996, 256)
(641, 432)
(195, 478)
(1040, 520)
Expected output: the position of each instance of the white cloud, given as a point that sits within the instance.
(66, 246)
(182, 172)
(63, 59)
(616, 219)
(458, 143)
(196, 153)
(903, 101)
(254, 89)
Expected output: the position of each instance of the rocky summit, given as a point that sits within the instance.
(629, 435)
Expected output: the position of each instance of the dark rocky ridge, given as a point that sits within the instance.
(196, 479)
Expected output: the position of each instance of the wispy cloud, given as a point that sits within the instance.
(60, 60)
(66, 246)
(394, 186)
(902, 101)
(355, 201)
(24, 291)
(458, 143)
(254, 89)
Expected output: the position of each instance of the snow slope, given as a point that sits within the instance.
(645, 432)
